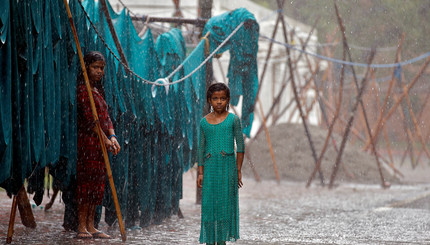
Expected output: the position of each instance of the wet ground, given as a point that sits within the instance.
(270, 213)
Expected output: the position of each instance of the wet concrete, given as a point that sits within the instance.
(270, 213)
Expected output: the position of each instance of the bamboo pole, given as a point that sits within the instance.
(379, 122)
(350, 121)
(114, 35)
(417, 127)
(324, 117)
(96, 119)
(296, 96)
(384, 184)
(276, 101)
(399, 99)
(275, 119)
(269, 142)
(331, 126)
(269, 52)
(11, 221)
(378, 104)
(419, 119)
(421, 151)
(409, 137)
(360, 137)
(200, 22)
(284, 84)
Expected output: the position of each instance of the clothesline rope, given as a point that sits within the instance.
(161, 81)
(207, 58)
(403, 63)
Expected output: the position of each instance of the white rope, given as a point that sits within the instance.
(198, 67)
(165, 81)
(160, 81)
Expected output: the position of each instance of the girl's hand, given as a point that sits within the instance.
(115, 146)
(109, 145)
(200, 180)
(239, 178)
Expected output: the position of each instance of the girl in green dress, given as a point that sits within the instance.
(219, 169)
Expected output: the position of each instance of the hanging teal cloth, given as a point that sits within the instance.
(149, 71)
(20, 34)
(51, 95)
(242, 72)
(6, 92)
(170, 48)
(38, 95)
(4, 17)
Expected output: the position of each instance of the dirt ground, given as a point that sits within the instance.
(356, 211)
(295, 162)
(270, 213)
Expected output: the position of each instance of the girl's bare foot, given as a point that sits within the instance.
(100, 235)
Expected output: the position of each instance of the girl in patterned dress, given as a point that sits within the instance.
(91, 172)
(219, 169)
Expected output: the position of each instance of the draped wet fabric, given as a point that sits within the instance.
(156, 127)
(5, 92)
(242, 71)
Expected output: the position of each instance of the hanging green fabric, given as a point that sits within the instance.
(242, 71)
(51, 95)
(38, 117)
(20, 94)
(170, 48)
(6, 92)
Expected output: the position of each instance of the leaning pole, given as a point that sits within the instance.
(96, 119)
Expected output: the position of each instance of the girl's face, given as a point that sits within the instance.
(96, 70)
(219, 101)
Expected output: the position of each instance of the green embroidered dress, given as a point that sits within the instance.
(220, 206)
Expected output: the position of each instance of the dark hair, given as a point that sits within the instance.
(215, 87)
(90, 58)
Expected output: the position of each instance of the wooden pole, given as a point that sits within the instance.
(325, 117)
(11, 221)
(390, 87)
(331, 126)
(96, 119)
(266, 62)
(360, 137)
(275, 119)
(414, 120)
(285, 83)
(198, 22)
(350, 121)
(409, 137)
(400, 98)
(419, 119)
(208, 81)
(296, 96)
(384, 184)
(269, 52)
(378, 104)
(114, 35)
(421, 151)
(269, 142)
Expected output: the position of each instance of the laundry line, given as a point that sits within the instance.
(166, 80)
(343, 62)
